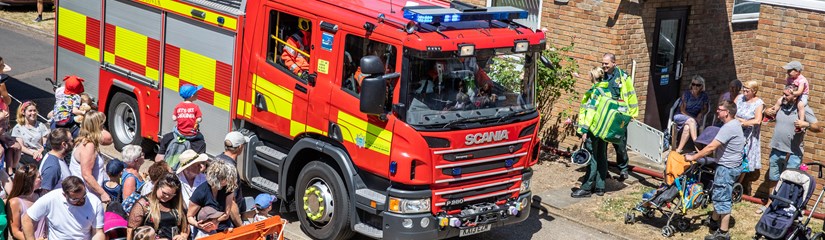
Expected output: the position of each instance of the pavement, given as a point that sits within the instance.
(29, 51)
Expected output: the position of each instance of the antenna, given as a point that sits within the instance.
(391, 11)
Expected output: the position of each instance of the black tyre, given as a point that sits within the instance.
(124, 120)
(737, 193)
(317, 184)
(818, 236)
(629, 218)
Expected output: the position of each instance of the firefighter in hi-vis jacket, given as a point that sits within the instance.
(297, 60)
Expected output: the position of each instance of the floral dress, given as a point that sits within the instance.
(747, 111)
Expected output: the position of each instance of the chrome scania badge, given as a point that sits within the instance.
(479, 138)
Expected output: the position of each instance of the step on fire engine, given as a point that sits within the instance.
(392, 119)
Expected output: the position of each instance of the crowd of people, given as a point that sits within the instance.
(58, 185)
(736, 147)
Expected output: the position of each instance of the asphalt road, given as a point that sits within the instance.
(31, 57)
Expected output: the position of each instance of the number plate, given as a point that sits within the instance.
(474, 230)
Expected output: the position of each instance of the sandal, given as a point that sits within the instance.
(761, 210)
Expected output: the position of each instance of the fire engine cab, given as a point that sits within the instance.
(393, 119)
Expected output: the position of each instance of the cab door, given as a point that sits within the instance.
(279, 95)
(367, 138)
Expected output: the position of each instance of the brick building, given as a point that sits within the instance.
(672, 40)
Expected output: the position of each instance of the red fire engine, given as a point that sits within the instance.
(388, 118)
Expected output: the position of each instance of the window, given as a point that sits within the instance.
(745, 11)
(355, 48)
(533, 8)
(289, 43)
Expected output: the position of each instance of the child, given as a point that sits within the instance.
(263, 203)
(68, 102)
(187, 114)
(144, 233)
(114, 168)
(795, 77)
(248, 214)
(86, 104)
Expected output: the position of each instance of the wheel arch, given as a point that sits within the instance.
(308, 149)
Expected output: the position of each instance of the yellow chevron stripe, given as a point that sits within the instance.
(72, 25)
(221, 101)
(355, 130)
(186, 10)
(93, 53)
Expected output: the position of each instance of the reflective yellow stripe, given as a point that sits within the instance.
(93, 53)
(186, 10)
(221, 101)
(197, 69)
(170, 82)
(356, 130)
(72, 25)
(130, 45)
(277, 97)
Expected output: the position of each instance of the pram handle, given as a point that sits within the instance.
(782, 199)
(818, 165)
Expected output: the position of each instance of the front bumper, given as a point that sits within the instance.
(494, 215)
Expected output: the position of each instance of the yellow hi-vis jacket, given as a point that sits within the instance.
(628, 93)
(587, 109)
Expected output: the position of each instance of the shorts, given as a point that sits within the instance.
(804, 99)
(778, 163)
(196, 144)
(723, 188)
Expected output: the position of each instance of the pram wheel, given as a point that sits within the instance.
(682, 224)
(818, 236)
(650, 213)
(737, 193)
(668, 231)
(629, 218)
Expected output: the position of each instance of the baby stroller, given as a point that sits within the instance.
(783, 218)
(687, 186)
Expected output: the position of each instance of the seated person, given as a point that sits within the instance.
(692, 107)
(485, 98)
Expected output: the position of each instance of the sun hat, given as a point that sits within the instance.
(190, 157)
(73, 85)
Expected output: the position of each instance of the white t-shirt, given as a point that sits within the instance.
(98, 170)
(67, 221)
(187, 190)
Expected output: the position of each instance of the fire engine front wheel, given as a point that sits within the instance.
(323, 202)
(124, 120)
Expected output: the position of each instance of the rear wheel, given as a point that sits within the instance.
(323, 202)
(737, 193)
(818, 236)
(124, 120)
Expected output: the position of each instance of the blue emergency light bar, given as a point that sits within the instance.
(431, 14)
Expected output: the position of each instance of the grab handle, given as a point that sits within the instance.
(818, 165)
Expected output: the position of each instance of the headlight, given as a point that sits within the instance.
(525, 186)
(398, 205)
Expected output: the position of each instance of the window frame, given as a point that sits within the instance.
(356, 61)
(269, 40)
(744, 17)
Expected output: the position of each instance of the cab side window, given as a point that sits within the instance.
(356, 47)
(289, 43)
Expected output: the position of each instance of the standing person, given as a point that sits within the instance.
(5, 99)
(794, 69)
(22, 195)
(162, 210)
(728, 144)
(749, 113)
(734, 89)
(621, 89)
(69, 214)
(233, 145)
(39, 11)
(786, 142)
(218, 194)
(114, 169)
(30, 133)
(692, 107)
(86, 162)
(53, 169)
(191, 173)
(597, 170)
(131, 180)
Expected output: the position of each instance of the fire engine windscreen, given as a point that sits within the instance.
(490, 86)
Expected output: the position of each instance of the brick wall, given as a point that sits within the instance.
(786, 34)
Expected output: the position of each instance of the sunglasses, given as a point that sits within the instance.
(75, 201)
(695, 85)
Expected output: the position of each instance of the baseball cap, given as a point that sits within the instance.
(190, 157)
(793, 65)
(249, 204)
(264, 200)
(189, 90)
(115, 167)
(235, 138)
(73, 85)
(208, 212)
